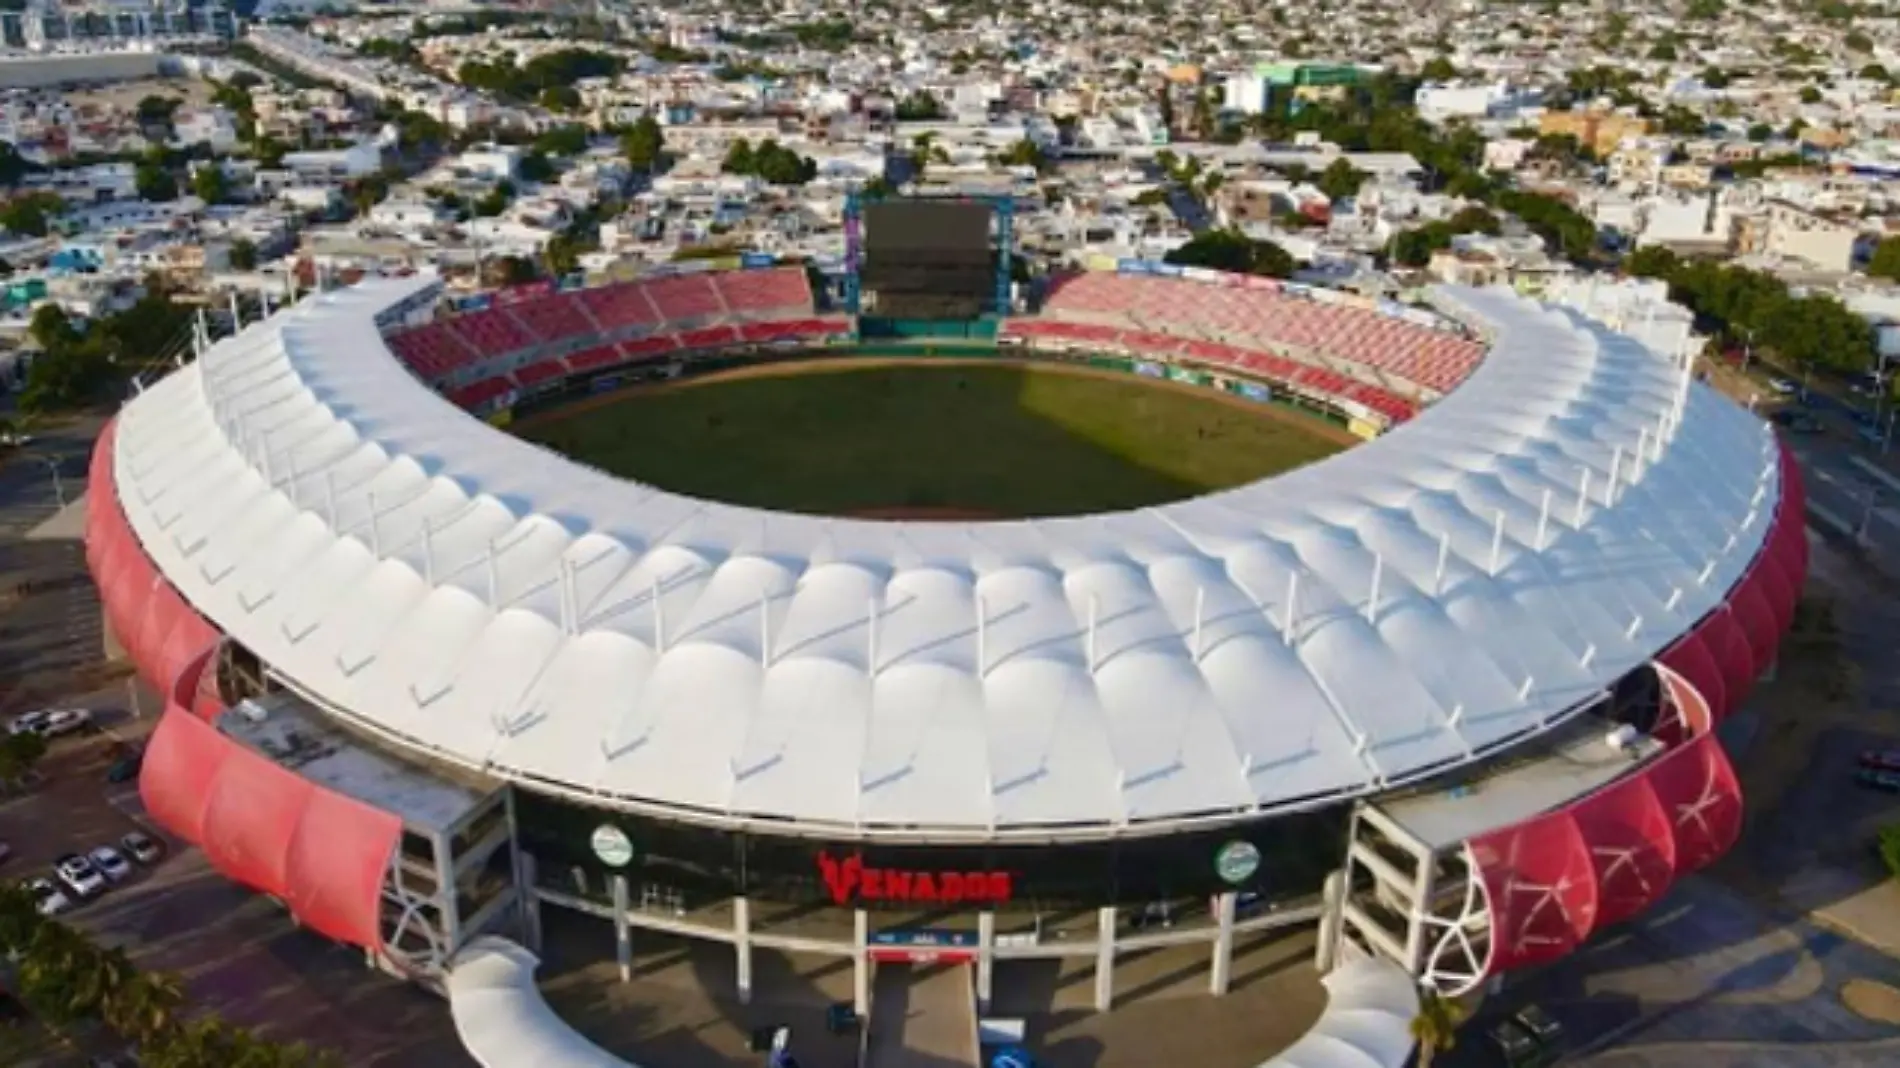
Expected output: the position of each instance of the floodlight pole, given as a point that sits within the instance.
(1444, 558)
(1372, 598)
(1543, 520)
(1583, 497)
(1292, 606)
(1200, 618)
(1497, 542)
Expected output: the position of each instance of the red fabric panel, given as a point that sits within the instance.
(1542, 890)
(338, 856)
(1750, 602)
(181, 759)
(1691, 659)
(1702, 800)
(1722, 633)
(163, 611)
(188, 640)
(251, 813)
(1776, 588)
(1631, 845)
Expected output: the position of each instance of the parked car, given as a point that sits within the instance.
(1542, 1025)
(1880, 759)
(142, 847)
(1796, 421)
(51, 899)
(125, 766)
(1879, 780)
(1871, 435)
(111, 863)
(1782, 386)
(65, 721)
(29, 722)
(79, 876)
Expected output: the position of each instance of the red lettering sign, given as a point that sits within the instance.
(847, 880)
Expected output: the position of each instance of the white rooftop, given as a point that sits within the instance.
(1273, 646)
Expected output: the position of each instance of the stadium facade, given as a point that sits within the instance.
(1449, 694)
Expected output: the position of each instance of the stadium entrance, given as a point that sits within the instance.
(928, 266)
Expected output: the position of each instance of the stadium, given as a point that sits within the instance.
(1448, 694)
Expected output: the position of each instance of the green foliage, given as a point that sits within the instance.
(830, 35)
(644, 145)
(535, 167)
(243, 255)
(1810, 95)
(1234, 252)
(1856, 41)
(1340, 179)
(209, 184)
(1886, 260)
(769, 162)
(19, 754)
(920, 107)
(154, 110)
(1889, 843)
(523, 83)
(76, 366)
(1023, 153)
(417, 128)
(31, 214)
(1438, 69)
(560, 98)
(1435, 1027)
(1756, 308)
(155, 182)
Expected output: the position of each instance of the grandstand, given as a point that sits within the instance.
(1403, 356)
(1378, 366)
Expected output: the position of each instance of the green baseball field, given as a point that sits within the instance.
(933, 439)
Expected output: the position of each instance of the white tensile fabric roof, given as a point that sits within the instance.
(402, 563)
(502, 1018)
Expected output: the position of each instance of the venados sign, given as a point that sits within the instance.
(849, 880)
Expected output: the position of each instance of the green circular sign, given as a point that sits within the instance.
(1236, 862)
(612, 845)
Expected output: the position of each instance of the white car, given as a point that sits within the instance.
(80, 876)
(30, 722)
(1782, 386)
(111, 863)
(49, 898)
(65, 721)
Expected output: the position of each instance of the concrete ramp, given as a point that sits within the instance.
(923, 1016)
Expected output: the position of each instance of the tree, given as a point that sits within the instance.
(738, 158)
(1810, 95)
(919, 107)
(51, 328)
(1651, 261)
(1856, 41)
(560, 98)
(1340, 179)
(1886, 260)
(1435, 1027)
(1760, 131)
(535, 167)
(30, 214)
(644, 145)
(243, 255)
(569, 140)
(1438, 69)
(1024, 153)
(510, 271)
(1234, 252)
(209, 184)
(154, 182)
(154, 110)
(19, 754)
(563, 256)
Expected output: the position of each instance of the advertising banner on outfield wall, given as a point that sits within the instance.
(1362, 428)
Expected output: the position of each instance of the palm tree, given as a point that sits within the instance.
(1435, 1028)
(20, 919)
(55, 972)
(146, 1009)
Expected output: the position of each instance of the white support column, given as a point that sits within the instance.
(446, 904)
(861, 963)
(1222, 969)
(623, 930)
(1105, 959)
(985, 959)
(742, 946)
(530, 901)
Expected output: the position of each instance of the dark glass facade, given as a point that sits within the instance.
(1295, 853)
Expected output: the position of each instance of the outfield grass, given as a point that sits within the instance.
(1006, 440)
